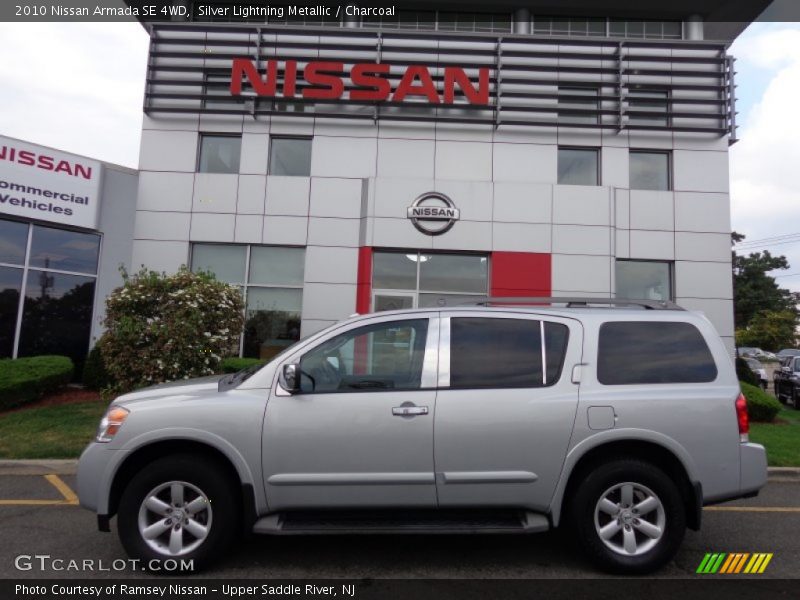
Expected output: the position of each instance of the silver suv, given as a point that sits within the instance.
(620, 420)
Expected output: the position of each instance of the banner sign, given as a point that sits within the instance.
(48, 185)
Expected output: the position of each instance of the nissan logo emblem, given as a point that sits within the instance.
(433, 213)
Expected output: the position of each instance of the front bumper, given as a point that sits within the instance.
(94, 477)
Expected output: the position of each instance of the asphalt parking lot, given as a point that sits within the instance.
(39, 516)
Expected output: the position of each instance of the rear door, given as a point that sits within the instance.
(505, 407)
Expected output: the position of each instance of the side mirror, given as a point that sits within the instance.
(290, 378)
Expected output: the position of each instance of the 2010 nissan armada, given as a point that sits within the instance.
(619, 420)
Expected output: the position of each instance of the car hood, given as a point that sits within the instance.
(188, 388)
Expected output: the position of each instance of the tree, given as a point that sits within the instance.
(754, 290)
(769, 329)
(164, 327)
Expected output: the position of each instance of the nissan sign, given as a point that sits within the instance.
(41, 183)
(433, 213)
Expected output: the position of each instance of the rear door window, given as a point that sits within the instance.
(636, 352)
(505, 353)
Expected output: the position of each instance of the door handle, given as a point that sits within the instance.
(409, 411)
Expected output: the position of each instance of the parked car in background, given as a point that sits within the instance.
(759, 370)
(748, 352)
(787, 381)
(788, 352)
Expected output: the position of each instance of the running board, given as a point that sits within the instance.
(401, 521)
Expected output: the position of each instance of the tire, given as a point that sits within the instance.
(639, 480)
(210, 521)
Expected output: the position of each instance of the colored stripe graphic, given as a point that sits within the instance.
(735, 562)
(711, 563)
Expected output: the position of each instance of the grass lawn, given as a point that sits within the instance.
(781, 439)
(58, 431)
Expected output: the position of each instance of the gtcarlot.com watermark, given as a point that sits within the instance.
(46, 562)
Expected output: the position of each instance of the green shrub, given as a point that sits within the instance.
(95, 376)
(163, 327)
(234, 364)
(25, 379)
(744, 372)
(760, 405)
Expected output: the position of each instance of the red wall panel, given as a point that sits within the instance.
(364, 280)
(521, 274)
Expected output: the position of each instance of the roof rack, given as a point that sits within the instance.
(577, 302)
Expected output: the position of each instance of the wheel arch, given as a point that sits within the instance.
(145, 453)
(674, 461)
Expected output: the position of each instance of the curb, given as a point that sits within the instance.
(69, 466)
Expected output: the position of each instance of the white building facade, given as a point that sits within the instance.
(433, 158)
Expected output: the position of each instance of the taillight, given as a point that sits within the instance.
(742, 418)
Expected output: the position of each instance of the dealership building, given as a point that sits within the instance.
(443, 154)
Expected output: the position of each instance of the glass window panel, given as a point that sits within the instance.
(453, 273)
(647, 280)
(218, 85)
(653, 29)
(543, 25)
(644, 352)
(555, 342)
(10, 289)
(428, 300)
(652, 101)
(13, 242)
(227, 263)
(290, 156)
(384, 356)
(501, 23)
(64, 250)
(649, 171)
(57, 315)
(597, 27)
(277, 266)
(617, 28)
(394, 271)
(673, 30)
(577, 166)
(495, 353)
(591, 102)
(385, 302)
(272, 321)
(219, 153)
(635, 29)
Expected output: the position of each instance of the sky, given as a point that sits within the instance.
(80, 89)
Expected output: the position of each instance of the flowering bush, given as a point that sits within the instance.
(163, 327)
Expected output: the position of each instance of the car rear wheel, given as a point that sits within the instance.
(628, 516)
(178, 507)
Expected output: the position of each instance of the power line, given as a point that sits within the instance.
(768, 245)
(768, 239)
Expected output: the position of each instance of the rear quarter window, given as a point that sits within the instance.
(636, 352)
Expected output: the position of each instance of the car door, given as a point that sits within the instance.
(505, 407)
(359, 433)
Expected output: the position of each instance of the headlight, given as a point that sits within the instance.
(111, 422)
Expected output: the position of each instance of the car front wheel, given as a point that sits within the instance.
(628, 516)
(178, 507)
